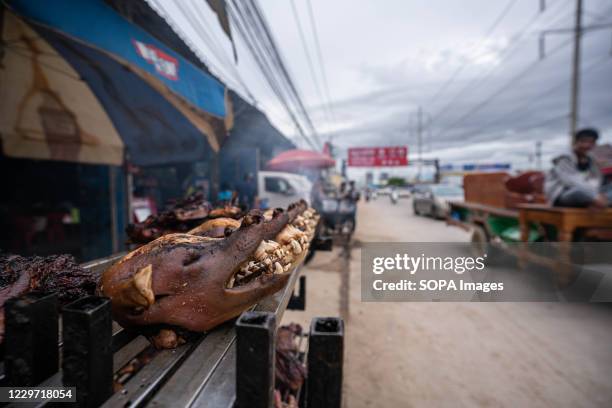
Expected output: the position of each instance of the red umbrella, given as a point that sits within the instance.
(300, 159)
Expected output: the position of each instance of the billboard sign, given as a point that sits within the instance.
(378, 156)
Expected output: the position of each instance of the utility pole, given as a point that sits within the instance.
(419, 122)
(419, 141)
(577, 30)
(538, 155)
(575, 102)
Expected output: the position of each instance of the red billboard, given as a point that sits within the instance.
(378, 156)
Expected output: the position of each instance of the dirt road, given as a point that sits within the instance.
(456, 354)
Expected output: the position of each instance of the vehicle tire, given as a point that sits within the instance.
(479, 241)
(432, 211)
(482, 245)
(415, 211)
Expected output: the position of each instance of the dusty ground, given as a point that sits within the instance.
(456, 354)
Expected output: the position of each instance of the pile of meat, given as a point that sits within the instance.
(290, 370)
(59, 274)
(180, 216)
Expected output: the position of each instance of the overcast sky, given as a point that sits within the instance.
(386, 58)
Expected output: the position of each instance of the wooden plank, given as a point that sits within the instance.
(504, 212)
(566, 210)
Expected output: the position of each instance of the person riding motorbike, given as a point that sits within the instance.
(394, 195)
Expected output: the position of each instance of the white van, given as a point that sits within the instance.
(279, 189)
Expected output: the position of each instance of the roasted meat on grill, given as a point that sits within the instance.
(59, 274)
(196, 282)
(180, 216)
(181, 280)
(216, 228)
(290, 371)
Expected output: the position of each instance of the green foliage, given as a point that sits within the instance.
(396, 181)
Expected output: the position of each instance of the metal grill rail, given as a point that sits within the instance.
(200, 373)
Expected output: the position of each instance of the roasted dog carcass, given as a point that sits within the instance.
(196, 282)
(290, 371)
(59, 274)
(180, 216)
(216, 228)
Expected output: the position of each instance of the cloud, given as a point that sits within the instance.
(385, 59)
(533, 108)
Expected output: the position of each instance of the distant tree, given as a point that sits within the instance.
(396, 181)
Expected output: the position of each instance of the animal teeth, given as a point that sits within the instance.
(297, 249)
(287, 267)
(230, 284)
(267, 261)
(278, 268)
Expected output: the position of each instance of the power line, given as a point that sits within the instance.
(522, 107)
(256, 35)
(508, 84)
(321, 59)
(499, 91)
(235, 79)
(255, 12)
(488, 33)
(306, 52)
(218, 50)
(264, 66)
(267, 65)
(199, 25)
(506, 53)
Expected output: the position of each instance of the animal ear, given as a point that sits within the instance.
(138, 290)
(143, 282)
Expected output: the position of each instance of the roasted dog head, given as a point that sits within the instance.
(216, 228)
(184, 280)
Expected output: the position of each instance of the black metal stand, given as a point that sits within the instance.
(88, 358)
(299, 302)
(323, 244)
(255, 361)
(31, 353)
(325, 361)
(256, 346)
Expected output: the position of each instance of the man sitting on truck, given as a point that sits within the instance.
(575, 179)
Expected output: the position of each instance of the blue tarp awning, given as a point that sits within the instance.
(164, 108)
(152, 129)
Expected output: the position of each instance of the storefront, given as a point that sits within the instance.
(91, 117)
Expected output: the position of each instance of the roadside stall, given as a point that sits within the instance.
(104, 99)
(119, 98)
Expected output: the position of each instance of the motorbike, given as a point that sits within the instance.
(394, 197)
(338, 215)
